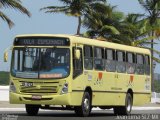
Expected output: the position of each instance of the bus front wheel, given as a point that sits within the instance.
(32, 110)
(125, 110)
(85, 108)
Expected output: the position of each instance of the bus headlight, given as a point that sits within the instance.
(12, 87)
(65, 89)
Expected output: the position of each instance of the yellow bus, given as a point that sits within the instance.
(49, 71)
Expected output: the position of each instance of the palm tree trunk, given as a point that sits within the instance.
(152, 64)
(79, 25)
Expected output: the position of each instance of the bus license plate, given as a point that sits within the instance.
(36, 97)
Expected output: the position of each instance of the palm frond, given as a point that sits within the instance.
(111, 28)
(8, 20)
(67, 2)
(95, 1)
(53, 7)
(82, 9)
(154, 50)
(146, 5)
(89, 34)
(142, 41)
(102, 9)
(156, 59)
(149, 43)
(56, 9)
(15, 4)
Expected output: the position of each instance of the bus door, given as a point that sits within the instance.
(78, 77)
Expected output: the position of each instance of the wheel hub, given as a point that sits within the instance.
(86, 104)
(129, 106)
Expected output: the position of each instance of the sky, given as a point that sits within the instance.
(42, 23)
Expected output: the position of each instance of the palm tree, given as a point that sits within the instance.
(133, 30)
(76, 8)
(14, 4)
(102, 26)
(153, 9)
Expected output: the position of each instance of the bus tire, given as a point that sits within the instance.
(125, 110)
(32, 110)
(85, 109)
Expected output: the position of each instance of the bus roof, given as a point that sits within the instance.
(87, 41)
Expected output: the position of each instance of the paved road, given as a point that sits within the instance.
(17, 112)
(69, 115)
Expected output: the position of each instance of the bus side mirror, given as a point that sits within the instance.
(77, 54)
(5, 56)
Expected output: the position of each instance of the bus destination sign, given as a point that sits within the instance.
(49, 41)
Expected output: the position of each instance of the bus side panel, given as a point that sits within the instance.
(139, 84)
(76, 98)
(78, 86)
(102, 84)
(141, 99)
(108, 99)
(142, 90)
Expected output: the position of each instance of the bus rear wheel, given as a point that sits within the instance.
(32, 110)
(125, 110)
(85, 108)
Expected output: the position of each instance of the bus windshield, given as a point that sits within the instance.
(40, 62)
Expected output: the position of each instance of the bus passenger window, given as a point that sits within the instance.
(121, 65)
(110, 63)
(147, 65)
(140, 64)
(130, 65)
(99, 58)
(88, 58)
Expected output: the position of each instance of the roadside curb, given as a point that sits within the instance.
(4, 87)
(4, 92)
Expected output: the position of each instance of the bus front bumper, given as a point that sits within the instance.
(63, 99)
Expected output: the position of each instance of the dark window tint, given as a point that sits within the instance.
(130, 58)
(147, 60)
(120, 56)
(110, 63)
(140, 59)
(147, 65)
(99, 58)
(140, 64)
(130, 65)
(121, 67)
(88, 57)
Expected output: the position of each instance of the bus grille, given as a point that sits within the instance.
(39, 88)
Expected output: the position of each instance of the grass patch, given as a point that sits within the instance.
(4, 78)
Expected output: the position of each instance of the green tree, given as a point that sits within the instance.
(157, 86)
(152, 7)
(102, 25)
(76, 8)
(4, 79)
(14, 4)
(153, 13)
(134, 30)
